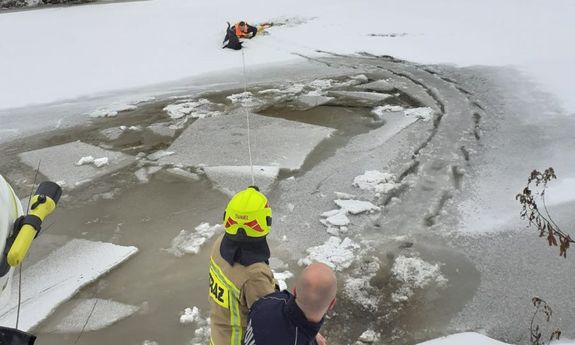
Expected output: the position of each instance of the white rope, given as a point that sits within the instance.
(248, 120)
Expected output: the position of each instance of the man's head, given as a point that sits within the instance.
(315, 291)
(248, 215)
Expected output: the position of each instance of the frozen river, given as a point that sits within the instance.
(439, 250)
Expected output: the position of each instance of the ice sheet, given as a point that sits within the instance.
(59, 276)
(58, 163)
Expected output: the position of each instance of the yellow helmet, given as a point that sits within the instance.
(248, 210)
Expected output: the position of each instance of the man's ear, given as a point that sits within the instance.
(332, 304)
(294, 292)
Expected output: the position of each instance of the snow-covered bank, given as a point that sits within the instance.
(127, 45)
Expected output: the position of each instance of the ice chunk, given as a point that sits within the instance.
(100, 162)
(246, 99)
(61, 157)
(414, 273)
(198, 109)
(369, 337)
(232, 179)
(336, 217)
(190, 242)
(376, 181)
(85, 160)
(356, 206)
(222, 141)
(190, 315)
(381, 110)
(336, 253)
(281, 278)
(100, 314)
(56, 278)
(112, 110)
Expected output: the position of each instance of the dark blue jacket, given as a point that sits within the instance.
(276, 319)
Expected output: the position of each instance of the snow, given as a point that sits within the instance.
(414, 273)
(190, 242)
(336, 253)
(59, 276)
(445, 32)
(74, 163)
(358, 288)
(100, 314)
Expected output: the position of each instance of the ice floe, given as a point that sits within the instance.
(62, 158)
(232, 179)
(222, 141)
(336, 253)
(383, 109)
(190, 242)
(99, 314)
(54, 279)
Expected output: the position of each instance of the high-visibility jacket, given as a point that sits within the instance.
(239, 32)
(233, 290)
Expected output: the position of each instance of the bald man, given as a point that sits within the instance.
(282, 318)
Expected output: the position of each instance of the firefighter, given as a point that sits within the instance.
(239, 273)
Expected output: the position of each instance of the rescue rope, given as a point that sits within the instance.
(87, 320)
(248, 120)
(20, 268)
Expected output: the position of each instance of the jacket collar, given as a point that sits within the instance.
(244, 252)
(297, 317)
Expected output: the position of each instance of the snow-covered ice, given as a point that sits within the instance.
(59, 163)
(219, 141)
(100, 314)
(336, 253)
(190, 242)
(59, 276)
